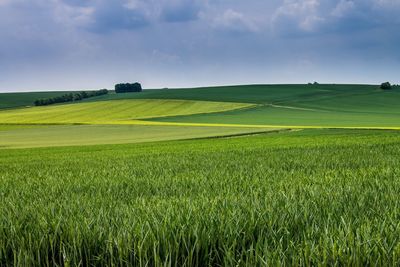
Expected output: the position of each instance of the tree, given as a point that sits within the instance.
(386, 86)
(128, 87)
(69, 97)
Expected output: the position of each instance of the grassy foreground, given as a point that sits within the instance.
(313, 197)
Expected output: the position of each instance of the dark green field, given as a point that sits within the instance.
(261, 94)
(326, 106)
(237, 179)
(15, 100)
(331, 106)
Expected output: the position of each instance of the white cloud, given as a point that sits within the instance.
(233, 20)
(343, 8)
(310, 23)
(73, 16)
(115, 39)
(388, 3)
(303, 14)
(167, 10)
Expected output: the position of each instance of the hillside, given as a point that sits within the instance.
(15, 100)
(259, 94)
(172, 114)
(307, 105)
(276, 105)
(111, 112)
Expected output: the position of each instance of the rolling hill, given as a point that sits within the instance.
(259, 94)
(109, 193)
(112, 112)
(325, 105)
(171, 114)
(16, 100)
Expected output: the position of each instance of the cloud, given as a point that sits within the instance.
(180, 10)
(295, 15)
(343, 8)
(113, 15)
(103, 16)
(163, 41)
(234, 21)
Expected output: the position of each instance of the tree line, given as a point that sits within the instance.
(70, 97)
(128, 87)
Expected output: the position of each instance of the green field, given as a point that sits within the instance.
(260, 94)
(220, 176)
(74, 135)
(111, 112)
(15, 100)
(330, 106)
(314, 197)
(322, 105)
(295, 116)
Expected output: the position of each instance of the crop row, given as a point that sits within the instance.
(303, 198)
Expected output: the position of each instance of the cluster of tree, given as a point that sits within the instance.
(314, 83)
(128, 87)
(386, 86)
(70, 97)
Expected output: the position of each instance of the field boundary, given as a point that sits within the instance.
(265, 125)
(238, 135)
(156, 123)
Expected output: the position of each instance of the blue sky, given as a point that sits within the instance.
(90, 44)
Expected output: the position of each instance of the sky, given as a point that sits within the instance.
(93, 44)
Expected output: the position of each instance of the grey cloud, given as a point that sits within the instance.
(111, 15)
(316, 16)
(180, 11)
(195, 42)
(132, 14)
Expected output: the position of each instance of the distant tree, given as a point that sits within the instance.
(69, 97)
(128, 87)
(39, 102)
(77, 97)
(386, 86)
(315, 83)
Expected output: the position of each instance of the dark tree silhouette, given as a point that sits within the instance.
(69, 97)
(128, 87)
(386, 86)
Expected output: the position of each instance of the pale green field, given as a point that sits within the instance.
(109, 112)
(81, 135)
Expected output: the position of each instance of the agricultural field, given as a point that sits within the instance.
(112, 112)
(15, 100)
(261, 175)
(26, 136)
(313, 105)
(310, 197)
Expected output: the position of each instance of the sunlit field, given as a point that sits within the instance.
(229, 176)
(312, 197)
